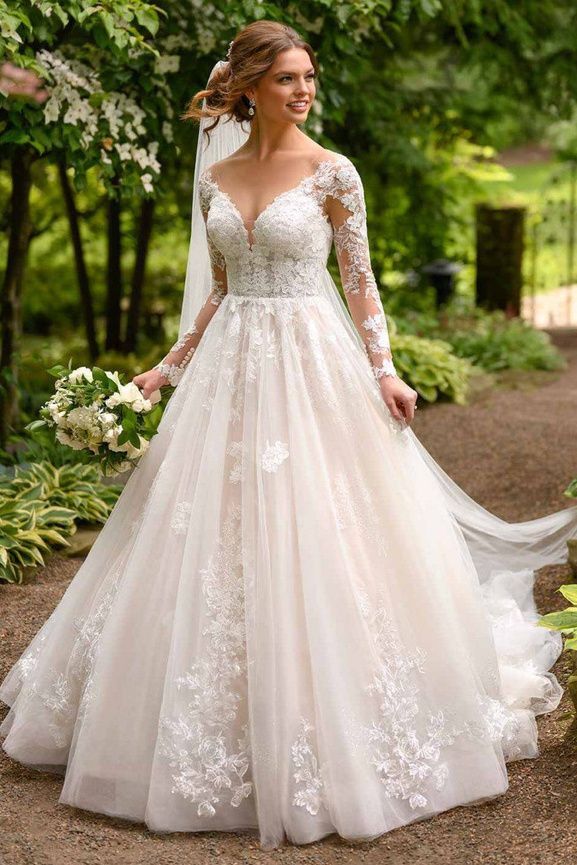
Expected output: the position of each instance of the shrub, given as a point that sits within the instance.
(490, 340)
(39, 508)
(431, 367)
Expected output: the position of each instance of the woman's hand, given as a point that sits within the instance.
(150, 381)
(399, 398)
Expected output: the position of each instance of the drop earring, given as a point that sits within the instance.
(251, 104)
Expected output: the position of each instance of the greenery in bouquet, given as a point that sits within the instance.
(95, 412)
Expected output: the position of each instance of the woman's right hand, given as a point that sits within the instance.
(150, 381)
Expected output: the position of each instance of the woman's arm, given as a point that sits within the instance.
(171, 368)
(345, 205)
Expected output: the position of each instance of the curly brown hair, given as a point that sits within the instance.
(252, 52)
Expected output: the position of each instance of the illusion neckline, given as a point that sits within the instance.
(247, 233)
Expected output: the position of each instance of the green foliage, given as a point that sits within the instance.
(39, 508)
(431, 367)
(490, 340)
(565, 621)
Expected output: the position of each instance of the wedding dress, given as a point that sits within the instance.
(293, 621)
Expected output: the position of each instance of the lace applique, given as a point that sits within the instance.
(210, 760)
(67, 694)
(358, 280)
(356, 512)
(273, 456)
(181, 518)
(172, 366)
(309, 791)
(235, 450)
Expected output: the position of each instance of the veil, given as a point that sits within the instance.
(498, 549)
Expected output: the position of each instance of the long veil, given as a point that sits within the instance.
(505, 555)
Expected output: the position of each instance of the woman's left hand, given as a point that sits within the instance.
(400, 399)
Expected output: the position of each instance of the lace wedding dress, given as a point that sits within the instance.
(290, 622)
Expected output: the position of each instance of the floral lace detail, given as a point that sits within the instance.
(403, 743)
(359, 284)
(273, 456)
(286, 256)
(356, 511)
(198, 740)
(235, 450)
(309, 792)
(66, 695)
(180, 518)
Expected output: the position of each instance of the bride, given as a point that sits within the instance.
(293, 621)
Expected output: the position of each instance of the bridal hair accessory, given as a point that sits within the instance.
(229, 50)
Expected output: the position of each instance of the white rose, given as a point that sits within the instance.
(129, 394)
(107, 418)
(78, 374)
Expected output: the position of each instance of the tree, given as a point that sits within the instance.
(34, 35)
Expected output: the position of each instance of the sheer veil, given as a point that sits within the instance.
(504, 554)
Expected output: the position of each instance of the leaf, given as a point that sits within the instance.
(35, 424)
(569, 592)
(148, 19)
(14, 136)
(563, 621)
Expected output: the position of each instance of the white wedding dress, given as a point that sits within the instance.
(290, 622)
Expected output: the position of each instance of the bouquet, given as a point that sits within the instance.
(93, 410)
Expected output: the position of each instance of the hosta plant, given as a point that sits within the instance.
(565, 621)
(431, 367)
(39, 508)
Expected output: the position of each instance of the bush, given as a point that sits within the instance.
(431, 367)
(39, 508)
(490, 340)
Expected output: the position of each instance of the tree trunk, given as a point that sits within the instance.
(500, 232)
(80, 262)
(114, 272)
(136, 290)
(11, 326)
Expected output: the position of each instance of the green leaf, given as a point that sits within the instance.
(571, 643)
(563, 621)
(148, 19)
(569, 592)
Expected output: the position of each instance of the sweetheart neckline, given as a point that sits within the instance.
(292, 189)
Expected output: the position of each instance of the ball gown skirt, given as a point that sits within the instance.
(281, 626)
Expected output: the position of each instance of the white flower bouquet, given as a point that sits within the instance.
(93, 410)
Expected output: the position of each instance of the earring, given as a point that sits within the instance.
(252, 103)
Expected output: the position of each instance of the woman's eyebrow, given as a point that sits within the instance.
(292, 71)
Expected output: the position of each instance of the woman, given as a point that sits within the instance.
(293, 621)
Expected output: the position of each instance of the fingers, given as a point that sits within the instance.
(394, 410)
(409, 406)
(403, 408)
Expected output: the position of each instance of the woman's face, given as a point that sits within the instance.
(285, 92)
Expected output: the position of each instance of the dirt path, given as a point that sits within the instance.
(514, 451)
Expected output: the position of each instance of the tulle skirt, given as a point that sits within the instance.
(293, 621)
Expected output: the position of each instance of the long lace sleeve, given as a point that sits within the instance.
(347, 211)
(173, 365)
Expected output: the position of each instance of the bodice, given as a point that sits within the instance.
(291, 237)
(285, 255)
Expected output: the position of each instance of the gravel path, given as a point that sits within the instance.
(513, 450)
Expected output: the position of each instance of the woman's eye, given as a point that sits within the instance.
(289, 77)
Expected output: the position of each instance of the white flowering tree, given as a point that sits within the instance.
(85, 120)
